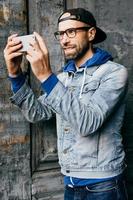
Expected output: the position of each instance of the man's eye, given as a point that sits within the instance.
(70, 31)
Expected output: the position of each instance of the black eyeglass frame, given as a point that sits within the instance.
(60, 34)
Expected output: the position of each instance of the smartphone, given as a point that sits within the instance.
(26, 39)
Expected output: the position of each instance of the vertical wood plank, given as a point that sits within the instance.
(15, 179)
(43, 17)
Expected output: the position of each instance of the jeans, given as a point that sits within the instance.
(108, 190)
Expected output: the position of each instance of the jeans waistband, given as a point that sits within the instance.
(112, 181)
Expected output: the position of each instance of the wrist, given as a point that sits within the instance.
(17, 81)
(50, 83)
(15, 73)
(43, 78)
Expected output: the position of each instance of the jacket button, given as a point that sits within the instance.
(66, 129)
(65, 151)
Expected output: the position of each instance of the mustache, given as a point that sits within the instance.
(68, 46)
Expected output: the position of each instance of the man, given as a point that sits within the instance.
(88, 98)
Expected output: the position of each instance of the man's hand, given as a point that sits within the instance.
(12, 56)
(38, 57)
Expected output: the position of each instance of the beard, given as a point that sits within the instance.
(75, 52)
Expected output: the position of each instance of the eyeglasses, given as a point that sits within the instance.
(71, 32)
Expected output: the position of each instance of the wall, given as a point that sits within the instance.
(15, 181)
(116, 19)
(16, 146)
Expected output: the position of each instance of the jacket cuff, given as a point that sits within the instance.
(50, 83)
(17, 82)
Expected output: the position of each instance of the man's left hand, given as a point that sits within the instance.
(38, 56)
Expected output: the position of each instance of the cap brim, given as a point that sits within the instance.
(100, 36)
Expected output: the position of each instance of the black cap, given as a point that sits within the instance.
(80, 14)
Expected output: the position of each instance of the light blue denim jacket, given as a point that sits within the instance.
(89, 106)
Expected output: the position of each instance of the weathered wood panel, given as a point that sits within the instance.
(47, 183)
(15, 180)
(43, 19)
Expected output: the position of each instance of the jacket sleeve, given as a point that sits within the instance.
(86, 119)
(30, 105)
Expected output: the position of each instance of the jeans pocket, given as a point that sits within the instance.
(102, 187)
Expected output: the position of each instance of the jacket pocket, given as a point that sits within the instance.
(91, 86)
(89, 89)
(86, 151)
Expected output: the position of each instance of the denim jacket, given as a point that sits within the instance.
(89, 106)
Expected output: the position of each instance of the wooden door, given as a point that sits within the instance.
(47, 181)
(15, 176)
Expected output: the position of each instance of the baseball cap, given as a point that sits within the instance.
(80, 14)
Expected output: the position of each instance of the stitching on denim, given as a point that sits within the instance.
(103, 190)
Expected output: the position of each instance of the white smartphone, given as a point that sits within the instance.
(26, 39)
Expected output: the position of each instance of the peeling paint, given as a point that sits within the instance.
(6, 13)
(15, 174)
(11, 140)
(7, 143)
(119, 50)
(2, 127)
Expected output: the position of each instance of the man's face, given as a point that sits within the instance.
(76, 47)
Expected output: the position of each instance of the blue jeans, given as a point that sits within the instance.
(108, 190)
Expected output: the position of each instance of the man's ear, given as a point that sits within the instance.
(91, 34)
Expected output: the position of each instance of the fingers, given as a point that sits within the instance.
(36, 49)
(34, 46)
(41, 43)
(38, 57)
(32, 52)
(38, 52)
(12, 52)
(12, 47)
(12, 42)
(11, 37)
(13, 55)
(35, 57)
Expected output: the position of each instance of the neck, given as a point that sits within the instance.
(85, 57)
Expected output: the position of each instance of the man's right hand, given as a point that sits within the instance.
(12, 55)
